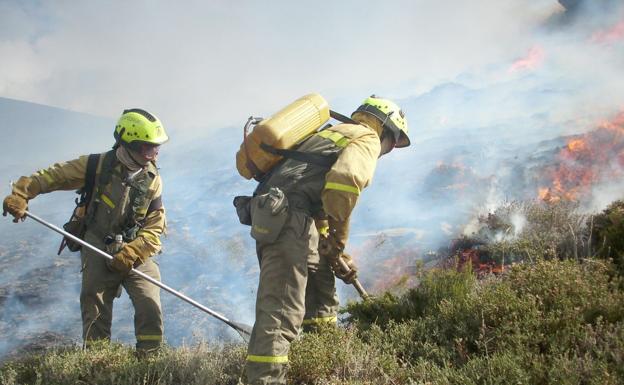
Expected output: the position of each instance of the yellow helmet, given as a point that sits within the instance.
(137, 126)
(390, 115)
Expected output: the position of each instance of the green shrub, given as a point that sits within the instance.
(337, 356)
(521, 325)
(435, 286)
(550, 322)
(115, 364)
(608, 234)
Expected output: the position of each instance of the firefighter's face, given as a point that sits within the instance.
(387, 142)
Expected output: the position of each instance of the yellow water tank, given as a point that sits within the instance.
(283, 130)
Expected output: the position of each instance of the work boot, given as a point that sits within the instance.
(143, 353)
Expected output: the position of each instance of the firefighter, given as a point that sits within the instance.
(296, 281)
(126, 200)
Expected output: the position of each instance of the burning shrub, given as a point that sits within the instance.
(525, 231)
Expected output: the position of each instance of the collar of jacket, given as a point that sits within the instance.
(131, 161)
(369, 121)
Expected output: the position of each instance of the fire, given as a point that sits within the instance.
(391, 261)
(533, 59)
(543, 194)
(577, 145)
(609, 36)
(470, 256)
(585, 160)
(616, 124)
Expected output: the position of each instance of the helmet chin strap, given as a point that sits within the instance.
(118, 138)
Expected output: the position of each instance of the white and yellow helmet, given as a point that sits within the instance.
(390, 115)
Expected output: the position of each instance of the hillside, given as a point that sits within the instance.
(549, 323)
(553, 316)
(210, 257)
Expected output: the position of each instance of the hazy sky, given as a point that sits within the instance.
(209, 64)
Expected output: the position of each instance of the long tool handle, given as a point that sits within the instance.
(244, 329)
(356, 282)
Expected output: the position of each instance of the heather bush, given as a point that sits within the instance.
(519, 328)
(607, 234)
(556, 316)
(116, 364)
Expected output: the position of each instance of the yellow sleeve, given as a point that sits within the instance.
(352, 172)
(68, 175)
(60, 176)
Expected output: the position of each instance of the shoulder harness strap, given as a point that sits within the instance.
(87, 191)
(317, 159)
(341, 118)
(108, 164)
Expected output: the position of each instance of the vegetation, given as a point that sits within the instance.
(555, 317)
(608, 234)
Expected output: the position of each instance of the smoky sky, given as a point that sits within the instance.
(209, 64)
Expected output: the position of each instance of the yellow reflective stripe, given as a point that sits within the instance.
(343, 142)
(268, 359)
(261, 230)
(150, 237)
(342, 187)
(149, 337)
(46, 175)
(141, 211)
(318, 320)
(108, 201)
(324, 230)
(336, 137)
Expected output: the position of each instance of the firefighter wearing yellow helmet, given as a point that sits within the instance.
(297, 285)
(124, 202)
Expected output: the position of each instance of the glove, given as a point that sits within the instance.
(123, 261)
(16, 205)
(329, 248)
(349, 276)
(332, 251)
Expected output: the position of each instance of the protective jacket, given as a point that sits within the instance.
(312, 188)
(119, 204)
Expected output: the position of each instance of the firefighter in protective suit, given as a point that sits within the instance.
(296, 278)
(126, 200)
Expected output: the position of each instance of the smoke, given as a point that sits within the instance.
(489, 89)
(211, 64)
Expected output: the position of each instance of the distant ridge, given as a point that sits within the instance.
(34, 135)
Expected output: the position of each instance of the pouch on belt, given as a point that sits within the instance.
(268, 215)
(243, 209)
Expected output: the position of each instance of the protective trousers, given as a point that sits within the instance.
(280, 302)
(100, 286)
(321, 301)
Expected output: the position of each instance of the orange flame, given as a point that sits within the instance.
(577, 145)
(609, 36)
(585, 160)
